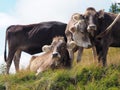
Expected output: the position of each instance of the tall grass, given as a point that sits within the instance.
(82, 76)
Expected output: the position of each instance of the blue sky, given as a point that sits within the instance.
(7, 5)
(34, 11)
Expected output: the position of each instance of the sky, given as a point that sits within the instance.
(35, 11)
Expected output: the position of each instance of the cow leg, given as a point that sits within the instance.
(94, 54)
(71, 53)
(103, 56)
(72, 48)
(102, 51)
(98, 50)
(9, 60)
(17, 59)
(101, 59)
(79, 55)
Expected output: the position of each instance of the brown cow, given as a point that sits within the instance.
(30, 39)
(98, 21)
(76, 33)
(54, 55)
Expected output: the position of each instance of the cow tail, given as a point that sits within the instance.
(5, 51)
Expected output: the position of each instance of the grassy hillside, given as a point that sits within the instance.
(83, 76)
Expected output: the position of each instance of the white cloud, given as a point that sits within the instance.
(46, 10)
(24, 61)
(1, 59)
(32, 11)
(6, 20)
(117, 1)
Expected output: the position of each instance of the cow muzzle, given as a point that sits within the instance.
(56, 55)
(91, 28)
(56, 58)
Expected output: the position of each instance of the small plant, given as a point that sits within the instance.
(2, 87)
(84, 76)
(62, 82)
(2, 69)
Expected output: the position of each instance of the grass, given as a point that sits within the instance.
(82, 76)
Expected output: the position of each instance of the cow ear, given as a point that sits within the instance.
(72, 29)
(101, 13)
(62, 38)
(46, 48)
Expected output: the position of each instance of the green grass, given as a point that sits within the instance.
(82, 76)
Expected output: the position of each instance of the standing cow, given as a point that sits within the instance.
(54, 55)
(76, 33)
(97, 23)
(30, 39)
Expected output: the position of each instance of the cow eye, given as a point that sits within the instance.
(86, 17)
(62, 48)
(54, 43)
(96, 15)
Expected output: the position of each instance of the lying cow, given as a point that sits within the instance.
(54, 55)
(97, 23)
(76, 33)
(30, 39)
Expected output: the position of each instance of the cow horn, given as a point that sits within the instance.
(108, 28)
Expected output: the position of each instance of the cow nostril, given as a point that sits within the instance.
(91, 27)
(89, 46)
(55, 54)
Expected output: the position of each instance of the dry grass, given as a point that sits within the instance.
(113, 57)
(82, 76)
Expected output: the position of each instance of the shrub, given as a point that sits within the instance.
(84, 76)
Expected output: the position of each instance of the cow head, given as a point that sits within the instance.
(78, 23)
(92, 18)
(79, 31)
(60, 55)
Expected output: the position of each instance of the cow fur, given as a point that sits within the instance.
(49, 59)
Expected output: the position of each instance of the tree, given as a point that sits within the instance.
(115, 8)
